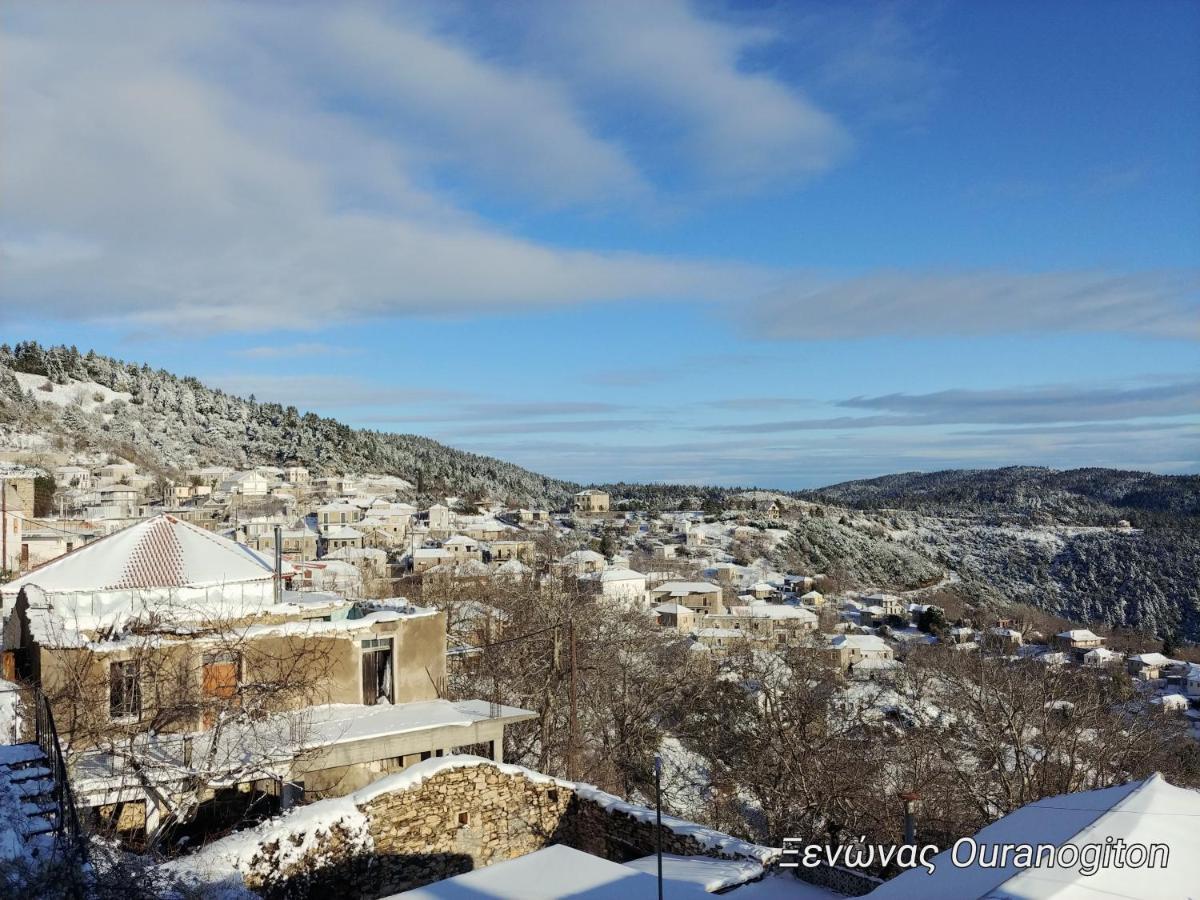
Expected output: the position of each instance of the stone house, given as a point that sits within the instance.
(847, 650)
(503, 551)
(1077, 642)
(702, 597)
(591, 502)
(1147, 666)
(145, 639)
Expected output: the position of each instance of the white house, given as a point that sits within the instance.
(620, 584)
(1191, 681)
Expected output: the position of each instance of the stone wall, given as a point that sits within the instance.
(445, 817)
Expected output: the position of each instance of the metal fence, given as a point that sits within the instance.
(67, 830)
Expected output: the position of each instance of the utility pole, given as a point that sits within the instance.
(4, 524)
(658, 818)
(572, 772)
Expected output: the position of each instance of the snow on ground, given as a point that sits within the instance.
(703, 872)
(781, 886)
(83, 394)
(10, 717)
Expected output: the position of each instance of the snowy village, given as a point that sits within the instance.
(271, 681)
(599, 450)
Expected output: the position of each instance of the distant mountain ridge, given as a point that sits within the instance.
(1090, 496)
(171, 422)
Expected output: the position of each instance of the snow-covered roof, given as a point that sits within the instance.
(160, 552)
(1150, 659)
(615, 575)
(719, 633)
(1080, 634)
(775, 611)
(513, 567)
(1147, 812)
(430, 553)
(460, 540)
(552, 872)
(343, 533)
(684, 588)
(670, 609)
(582, 556)
(468, 568)
(862, 642)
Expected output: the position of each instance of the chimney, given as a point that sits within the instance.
(278, 563)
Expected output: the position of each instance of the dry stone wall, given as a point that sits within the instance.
(459, 818)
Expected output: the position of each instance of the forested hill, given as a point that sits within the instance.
(171, 422)
(1029, 493)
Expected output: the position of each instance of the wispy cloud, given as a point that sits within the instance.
(288, 351)
(759, 403)
(539, 426)
(1016, 406)
(1163, 304)
(470, 412)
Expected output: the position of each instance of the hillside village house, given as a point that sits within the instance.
(591, 502)
(699, 596)
(247, 484)
(341, 537)
(674, 616)
(16, 508)
(1001, 639)
(849, 651)
(1191, 681)
(423, 559)
(888, 605)
(340, 513)
(144, 640)
(73, 476)
(621, 585)
(503, 551)
(532, 516)
(767, 623)
(462, 549)
(1077, 642)
(297, 475)
(1148, 666)
(330, 576)
(439, 519)
(581, 562)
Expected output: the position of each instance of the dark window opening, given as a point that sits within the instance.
(124, 690)
(377, 671)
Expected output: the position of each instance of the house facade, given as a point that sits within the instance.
(180, 669)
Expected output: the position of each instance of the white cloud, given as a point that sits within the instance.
(687, 77)
(208, 201)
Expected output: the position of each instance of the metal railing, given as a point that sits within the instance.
(67, 831)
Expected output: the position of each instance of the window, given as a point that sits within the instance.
(376, 670)
(124, 690)
(221, 675)
(464, 818)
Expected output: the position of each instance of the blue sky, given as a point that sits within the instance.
(765, 243)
